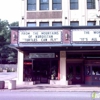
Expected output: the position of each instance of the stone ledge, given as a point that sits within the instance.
(58, 82)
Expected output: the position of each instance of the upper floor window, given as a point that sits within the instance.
(73, 4)
(74, 23)
(56, 4)
(31, 5)
(91, 23)
(44, 4)
(44, 24)
(57, 24)
(90, 4)
(31, 24)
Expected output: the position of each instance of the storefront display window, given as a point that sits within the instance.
(88, 70)
(96, 70)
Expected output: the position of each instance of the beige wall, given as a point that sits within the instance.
(82, 14)
(20, 67)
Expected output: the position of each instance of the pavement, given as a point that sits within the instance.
(50, 88)
(45, 87)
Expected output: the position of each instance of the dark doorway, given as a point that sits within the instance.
(41, 71)
(75, 70)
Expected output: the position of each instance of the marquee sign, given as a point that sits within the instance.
(40, 36)
(86, 35)
(42, 55)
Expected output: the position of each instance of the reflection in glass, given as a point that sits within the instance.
(88, 70)
(96, 70)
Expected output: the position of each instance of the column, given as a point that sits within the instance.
(20, 67)
(63, 68)
(59, 70)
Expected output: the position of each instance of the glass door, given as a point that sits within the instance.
(41, 70)
(75, 73)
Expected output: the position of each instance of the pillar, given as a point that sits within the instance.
(58, 69)
(20, 67)
(63, 68)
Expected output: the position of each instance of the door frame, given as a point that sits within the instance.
(74, 80)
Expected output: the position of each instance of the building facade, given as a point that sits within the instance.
(58, 42)
(60, 12)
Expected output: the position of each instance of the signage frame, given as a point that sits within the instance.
(58, 41)
(84, 41)
(41, 55)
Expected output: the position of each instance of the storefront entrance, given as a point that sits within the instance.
(41, 71)
(75, 73)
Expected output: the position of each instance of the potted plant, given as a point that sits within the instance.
(53, 75)
(70, 77)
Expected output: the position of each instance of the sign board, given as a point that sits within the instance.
(40, 36)
(42, 55)
(86, 35)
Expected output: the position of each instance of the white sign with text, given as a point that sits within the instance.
(86, 35)
(40, 36)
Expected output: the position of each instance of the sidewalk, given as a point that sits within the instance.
(47, 87)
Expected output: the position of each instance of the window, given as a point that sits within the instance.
(96, 70)
(57, 24)
(44, 4)
(73, 4)
(31, 5)
(56, 4)
(44, 24)
(31, 24)
(91, 23)
(74, 23)
(90, 4)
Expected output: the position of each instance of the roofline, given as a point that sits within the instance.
(52, 27)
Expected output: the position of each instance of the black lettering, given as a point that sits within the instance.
(94, 39)
(86, 32)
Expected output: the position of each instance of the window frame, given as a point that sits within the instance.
(74, 22)
(92, 2)
(74, 2)
(94, 22)
(31, 4)
(57, 24)
(31, 23)
(44, 23)
(41, 3)
(56, 3)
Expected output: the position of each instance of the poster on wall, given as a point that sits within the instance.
(40, 36)
(86, 36)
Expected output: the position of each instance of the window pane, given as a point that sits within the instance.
(31, 4)
(44, 7)
(91, 23)
(73, 1)
(43, 24)
(74, 6)
(57, 7)
(44, 1)
(90, 4)
(56, 1)
(30, 24)
(57, 24)
(31, 7)
(74, 23)
(31, 1)
(89, 0)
